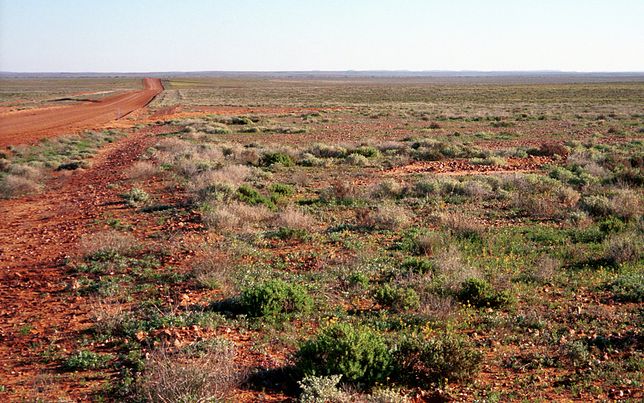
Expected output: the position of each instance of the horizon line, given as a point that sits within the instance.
(464, 71)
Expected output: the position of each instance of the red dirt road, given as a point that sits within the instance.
(28, 126)
(36, 233)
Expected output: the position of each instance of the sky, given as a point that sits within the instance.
(304, 35)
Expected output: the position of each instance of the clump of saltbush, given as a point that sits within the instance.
(480, 293)
(417, 265)
(359, 354)
(397, 298)
(274, 298)
(270, 159)
(363, 357)
(367, 151)
(439, 358)
(249, 195)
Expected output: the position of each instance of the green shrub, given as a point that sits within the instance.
(85, 359)
(270, 159)
(240, 120)
(285, 233)
(281, 189)
(275, 297)
(358, 279)
(397, 298)
(445, 357)
(366, 151)
(249, 195)
(359, 354)
(611, 225)
(480, 293)
(357, 160)
(417, 265)
(629, 287)
(598, 206)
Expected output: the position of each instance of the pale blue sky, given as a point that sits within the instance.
(269, 35)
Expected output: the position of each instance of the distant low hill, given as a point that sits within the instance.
(523, 76)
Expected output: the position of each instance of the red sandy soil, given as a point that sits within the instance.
(28, 126)
(36, 234)
(460, 166)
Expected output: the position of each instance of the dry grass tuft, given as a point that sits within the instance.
(294, 218)
(460, 224)
(387, 217)
(142, 170)
(181, 377)
(235, 215)
(108, 242)
(14, 185)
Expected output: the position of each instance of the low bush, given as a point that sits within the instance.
(624, 248)
(142, 170)
(249, 195)
(357, 160)
(294, 218)
(270, 159)
(359, 354)
(275, 297)
(367, 151)
(461, 225)
(340, 193)
(281, 189)
(397, 298)
(136, 197)
(321, 389)
(628, 287)
(493, 161)
(445, 357)
(417, 265)
(327, 151)
(480, 293)
(597, 206)
(388, 189)
(234, 215)
(210, 271)
(386, 217)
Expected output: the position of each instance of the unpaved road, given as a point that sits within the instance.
(31, 125)
(36, 233)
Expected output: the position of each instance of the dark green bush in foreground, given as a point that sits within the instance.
(365, 357)
(361, 355)
(275, 297)
(443, 357)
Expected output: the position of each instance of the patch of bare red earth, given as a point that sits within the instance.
(29, 126)
(36, 235)
(462, 166)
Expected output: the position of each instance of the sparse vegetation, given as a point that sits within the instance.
(380, 242)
